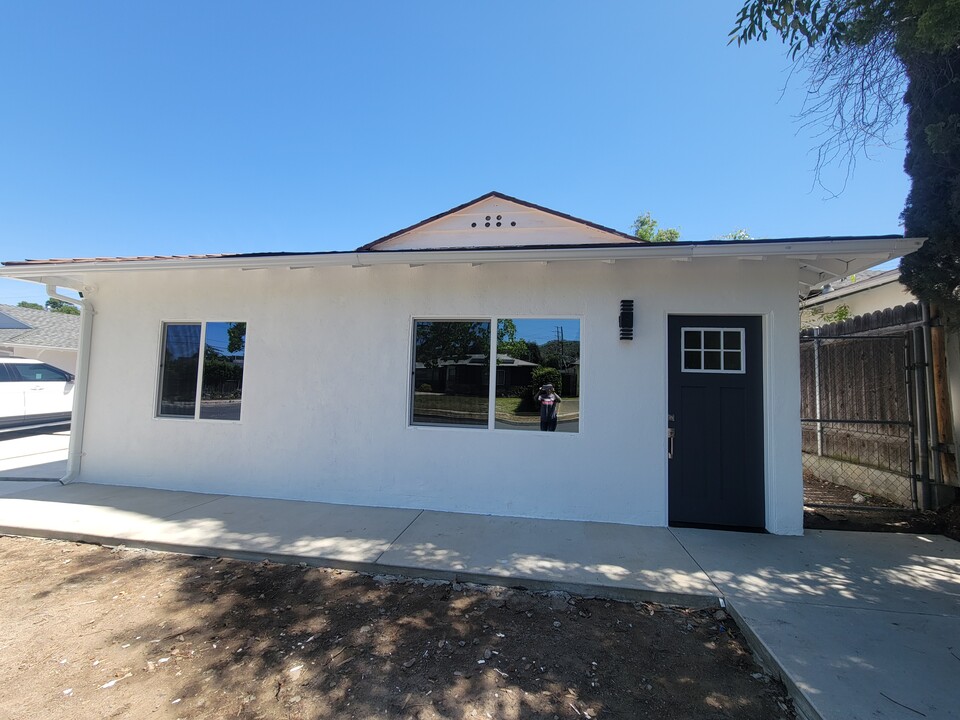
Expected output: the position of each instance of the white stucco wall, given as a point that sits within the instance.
(327, 367)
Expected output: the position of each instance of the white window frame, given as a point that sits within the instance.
(720, 371)
(157, 415)
(492, 390)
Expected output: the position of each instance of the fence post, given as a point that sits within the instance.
(816, 386)
(908, 370)
(923, 417)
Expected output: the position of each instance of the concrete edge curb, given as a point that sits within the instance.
(692, 600)
(768, 659)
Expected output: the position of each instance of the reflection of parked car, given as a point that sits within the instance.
(33, 394)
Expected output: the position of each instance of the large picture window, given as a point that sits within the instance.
(210, 389)
(534, 385)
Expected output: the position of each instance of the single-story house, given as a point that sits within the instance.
(687, 366)
(48, 336)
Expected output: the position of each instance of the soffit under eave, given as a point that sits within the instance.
(815, 272)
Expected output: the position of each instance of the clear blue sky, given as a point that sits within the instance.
(173, 127)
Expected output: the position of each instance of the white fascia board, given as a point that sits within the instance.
(72, 274)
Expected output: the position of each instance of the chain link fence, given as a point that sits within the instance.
(858, 435)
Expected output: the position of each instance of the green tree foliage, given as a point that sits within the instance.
(816, 317)
(542, 375)
(645, 228)
(858, 55)
(508, 343)
(740, 234)
(30, 305)
(533, 352)
(236, 337)
(59, 306)
(438, 340)
(559, 355)
(222, 378)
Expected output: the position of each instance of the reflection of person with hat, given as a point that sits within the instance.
(549, 403)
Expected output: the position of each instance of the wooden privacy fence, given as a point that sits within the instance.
(857, 414)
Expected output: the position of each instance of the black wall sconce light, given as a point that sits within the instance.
(626, 319)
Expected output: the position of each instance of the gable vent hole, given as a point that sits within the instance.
(473, 224)
(499, 217)
(486, 224)
(513, 223)
(488, 217)
(498, 224)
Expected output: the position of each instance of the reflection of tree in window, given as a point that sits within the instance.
(223, 370)
(451, 372)
(530, 353)
(221, 376)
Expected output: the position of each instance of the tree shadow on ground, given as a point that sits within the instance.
(211, 638)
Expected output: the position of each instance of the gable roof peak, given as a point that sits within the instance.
(496, 219)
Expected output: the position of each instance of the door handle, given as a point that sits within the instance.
(670, 434)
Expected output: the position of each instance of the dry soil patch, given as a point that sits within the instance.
(90, 632)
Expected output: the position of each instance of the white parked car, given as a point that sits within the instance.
(33, 394)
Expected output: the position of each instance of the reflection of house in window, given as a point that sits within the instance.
(571, 378)
(513, 373)
(466, 375)
(463, 376)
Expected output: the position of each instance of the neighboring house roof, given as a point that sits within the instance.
(38, 328)
(845, 287)
(480, 359)
(450, 238)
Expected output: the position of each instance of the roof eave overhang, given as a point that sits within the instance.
(819, 261)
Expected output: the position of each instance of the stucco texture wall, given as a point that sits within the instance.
(326, 386)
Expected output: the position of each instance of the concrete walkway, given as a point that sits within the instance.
(859, 625)
(37, 455)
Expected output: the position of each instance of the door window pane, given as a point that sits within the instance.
(532, 353)
(712, 350)
(178, 376)
(731, 340)
(223, 351)
(731, 361)
(451, 373)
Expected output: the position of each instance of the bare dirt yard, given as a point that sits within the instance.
(90, 632)
(877, 515)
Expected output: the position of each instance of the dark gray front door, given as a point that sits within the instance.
(716, 419)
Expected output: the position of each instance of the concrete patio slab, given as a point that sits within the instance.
(94, 513)
(15, 486)
(858, 625)
(262, 527)
(37, 455)
(883, 571)
(631, 561)
(852, 664)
